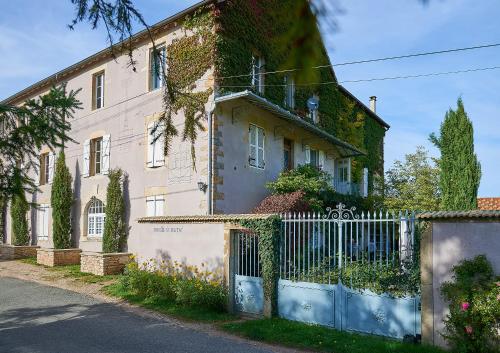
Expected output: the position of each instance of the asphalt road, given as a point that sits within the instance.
(38, 318)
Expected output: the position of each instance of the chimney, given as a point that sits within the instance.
(373, 104)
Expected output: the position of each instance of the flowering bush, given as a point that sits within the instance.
(176, 282)
(474, 297)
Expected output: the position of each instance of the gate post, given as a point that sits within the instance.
(229, 263)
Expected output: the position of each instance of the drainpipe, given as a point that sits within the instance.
(210, 155)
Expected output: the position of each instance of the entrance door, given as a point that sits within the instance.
(287, 154)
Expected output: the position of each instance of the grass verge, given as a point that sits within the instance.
(168, 307)
(73, 271)
(312, 337)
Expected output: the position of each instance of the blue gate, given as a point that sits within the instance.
(330, 265)
(248, 285)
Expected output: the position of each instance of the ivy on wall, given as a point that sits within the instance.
(269, 234)
(226, 37)
(248, 28)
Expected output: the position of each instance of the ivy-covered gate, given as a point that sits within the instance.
(248, 284)
(351, 272)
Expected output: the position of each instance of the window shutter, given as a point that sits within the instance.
(106, 145)
(308, 155)
(46, 211)
(38, 171)
(52, 157)
(39, 222)
(86, 159)
(252, 159)
(321, 160)
(150, 206)
(160, 206)
(159, 153)
(260, 147)
(151, 147)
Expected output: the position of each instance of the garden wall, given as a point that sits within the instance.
(452, 237)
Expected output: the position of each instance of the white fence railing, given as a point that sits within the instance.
(318, 247)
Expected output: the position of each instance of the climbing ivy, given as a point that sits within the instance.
(268, 231)
(248, 28)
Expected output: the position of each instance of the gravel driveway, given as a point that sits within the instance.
(39, 318)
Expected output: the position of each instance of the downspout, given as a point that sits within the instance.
(210, 158)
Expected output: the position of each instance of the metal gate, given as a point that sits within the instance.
(248, 291)
(330, 269)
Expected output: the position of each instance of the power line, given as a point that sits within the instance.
(375, 78)
(388, 58)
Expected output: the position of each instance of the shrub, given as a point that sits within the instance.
(175, 282)
(312, 181)
(282, 203)
(61, 201)
(474, 297)
(114, 226)
(18, 210)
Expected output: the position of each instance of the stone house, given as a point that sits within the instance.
(252, 130)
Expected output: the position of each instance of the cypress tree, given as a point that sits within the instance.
(61, 201)
(114, 226)
(460, 170)
(18, 209)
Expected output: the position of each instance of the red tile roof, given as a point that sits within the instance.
(488, 203)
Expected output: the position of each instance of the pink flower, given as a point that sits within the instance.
(465, 306)
(468, 329)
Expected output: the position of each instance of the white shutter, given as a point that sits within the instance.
(321, 160)
(86, 159)
(260, 147)
(52, 157)
(151, 147)
(106, 145)
(46, 211)
(159, 155)
(252, 136)
(365, 182)
(160, 205)
(308, 155)
(37, 171)
(150, 206)
(39, 222)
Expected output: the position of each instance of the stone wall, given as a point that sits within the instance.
(58, 257)
(11, 252)
(445, 243)
(103, 264)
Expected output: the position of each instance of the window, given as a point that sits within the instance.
(256, 141)
(155, 206)
(46, 168)
(314, 109)
(95, 218)
(156, 68)
(258, 66)
(156, 153)
(98, 90)
(289, 92)
(315, 158)
(287, 154)
(343, 170)
(96, 156)
(42, 214)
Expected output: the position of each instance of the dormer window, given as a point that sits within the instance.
(289, 92)
(313, 106)
(258, 69)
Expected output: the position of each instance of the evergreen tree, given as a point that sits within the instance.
(18, 210)
(61, 201)
(460, 170)
(114, 226)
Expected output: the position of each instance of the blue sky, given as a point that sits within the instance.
(35, 43)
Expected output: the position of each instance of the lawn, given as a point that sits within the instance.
(190, 313)
(311, 337)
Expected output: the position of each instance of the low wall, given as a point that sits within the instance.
(11, 252)
(103, 264)
(452, 237)
(57, 257)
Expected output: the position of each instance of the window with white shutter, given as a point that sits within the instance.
(156, 145)
(44, 169)
(256, 138)
(155, 206)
